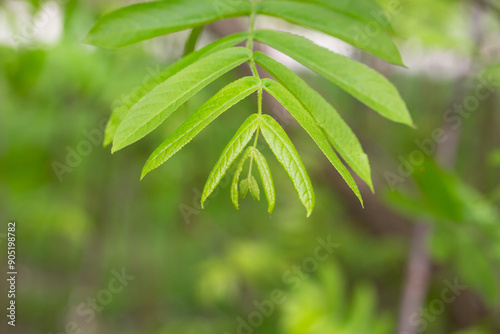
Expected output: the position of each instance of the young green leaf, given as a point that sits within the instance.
(143, 21)
(267, 180)
(244, 187)
(338, 132)
(120, 112)
(213, 108)
(338, 24)
(157, 105)
(287, 100)
(287, 155)
(236, 177)
(230, 153)
(365, 84)
(254, 188)
(194, 36)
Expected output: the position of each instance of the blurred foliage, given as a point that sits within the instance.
(435, 24)
(200, 271)
(323, 307)
(466, 232)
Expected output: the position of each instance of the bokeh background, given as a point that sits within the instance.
(99, 251)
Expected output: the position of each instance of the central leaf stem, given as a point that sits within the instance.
(255, 72)
(250, 40)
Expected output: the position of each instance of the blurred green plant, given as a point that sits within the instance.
(322, 306)
(466, 232)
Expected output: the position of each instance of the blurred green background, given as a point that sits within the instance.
(98, 251)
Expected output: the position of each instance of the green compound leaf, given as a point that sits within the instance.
(144, 21)
(213, 108)
(287, 100)
(287, 155)
(230, 153)
(157, 105)
(120, 112)
(338, 132)
(365, 84)
(254, 188)
(335, 23)
(236, 177)
(361, 23)
(265, 176)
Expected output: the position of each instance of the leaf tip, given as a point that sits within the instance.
(107, 140)
(144, 172)
(408, 121)
(361, 201)
(203, 199)
(402, 64)
(309, 212)
(117, 146)
(398, 60)
(369, 182)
